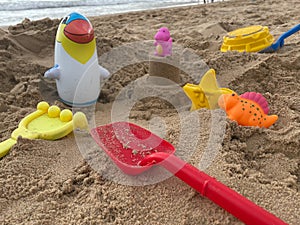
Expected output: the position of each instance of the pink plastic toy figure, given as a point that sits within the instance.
(163, 42)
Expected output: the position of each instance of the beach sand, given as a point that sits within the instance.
(49, 182)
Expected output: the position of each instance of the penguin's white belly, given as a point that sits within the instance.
(79, 84)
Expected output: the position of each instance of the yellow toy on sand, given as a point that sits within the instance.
(47, 122)
(255, 39)
(247, 39)
(207, 93)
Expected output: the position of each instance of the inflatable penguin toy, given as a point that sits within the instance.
(76, 71)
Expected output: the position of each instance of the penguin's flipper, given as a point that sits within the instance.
(104, 73)
(53, 73)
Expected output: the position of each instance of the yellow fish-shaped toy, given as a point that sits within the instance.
(207, 93)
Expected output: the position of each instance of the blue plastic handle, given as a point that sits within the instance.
(287, 34)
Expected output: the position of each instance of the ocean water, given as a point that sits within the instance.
(14, 11)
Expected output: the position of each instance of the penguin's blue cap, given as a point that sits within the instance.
(73, 16)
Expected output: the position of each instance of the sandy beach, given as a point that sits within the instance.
(50, 182)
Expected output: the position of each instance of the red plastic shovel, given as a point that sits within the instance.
(135, 149)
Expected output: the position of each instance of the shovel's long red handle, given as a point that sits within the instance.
(228, 199)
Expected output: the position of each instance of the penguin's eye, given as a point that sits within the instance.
(65, 20)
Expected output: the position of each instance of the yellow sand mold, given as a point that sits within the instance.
(207, 93)
(247, 39)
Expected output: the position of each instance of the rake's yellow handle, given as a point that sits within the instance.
(5, 146)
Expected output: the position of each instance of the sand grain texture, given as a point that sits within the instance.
(49, 182)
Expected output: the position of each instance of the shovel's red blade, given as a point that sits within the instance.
(127, 144)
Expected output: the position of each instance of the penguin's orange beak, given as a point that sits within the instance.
(79, 31)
